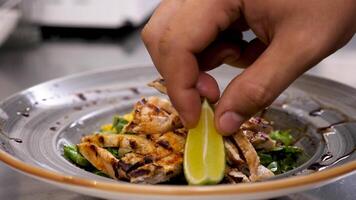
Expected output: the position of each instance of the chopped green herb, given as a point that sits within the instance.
(265, 158)
(119, 123)
(273, 166)
(113, 151)
(287, 149)
(99, 173)
(71, 153)
(118, 153)
(281, 159)
(284, 137)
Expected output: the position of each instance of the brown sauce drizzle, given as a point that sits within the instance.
(318, 166)
(18, 140)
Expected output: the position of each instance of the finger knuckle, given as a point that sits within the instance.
(164, 45)
(257, 95)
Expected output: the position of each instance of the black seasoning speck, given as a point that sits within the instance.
(81, 96)
(126, 98)
(25, 114)
(18, 140)
(78, 108)
(135, 91)
(53, 128)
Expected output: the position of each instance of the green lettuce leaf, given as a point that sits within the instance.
(284, 137)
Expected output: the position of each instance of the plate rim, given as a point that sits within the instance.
(167, 190)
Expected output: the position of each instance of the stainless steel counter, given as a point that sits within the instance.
(25, 60)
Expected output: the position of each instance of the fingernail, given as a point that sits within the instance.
(229, 122)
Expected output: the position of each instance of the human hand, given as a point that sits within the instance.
(187, 37)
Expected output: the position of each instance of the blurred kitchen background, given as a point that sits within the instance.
(45, 39)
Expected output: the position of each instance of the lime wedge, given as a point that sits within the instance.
(204, 156)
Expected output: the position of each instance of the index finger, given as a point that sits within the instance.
(193, 28)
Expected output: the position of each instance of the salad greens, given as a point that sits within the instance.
(282, 158)
(119, 123)
(71, 153)
(282, 136)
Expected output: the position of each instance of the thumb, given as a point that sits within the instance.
(256, 87)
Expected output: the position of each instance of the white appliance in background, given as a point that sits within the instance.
(87, 13)
(9, 16)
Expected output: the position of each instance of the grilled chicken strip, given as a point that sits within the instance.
(133, 167)
(151, 159)
(257, 131)
(159, 84)
(153, 116)
(160, 171)
(233, 175)
(171, 141)
(100, 159)
(232, 153)
(134, 143)
(250, 154)
(263, 173)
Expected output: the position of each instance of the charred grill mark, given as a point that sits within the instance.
(149, 137)
(143, 101)
(165, 144)
(101, 139)
(177, 123)
(179, 132)
(115, 166)
(135, 166)
(170, 172)
(155, 109)
(231, 139)
(131, 126)
(139, 172)
(124, 166)
(133, 144)
(148, 159)
(93, 148)
(236, 179)
(161, 81)
(129, 167)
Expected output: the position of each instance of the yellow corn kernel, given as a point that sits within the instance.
(106, 127)
(128, 116)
